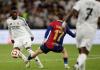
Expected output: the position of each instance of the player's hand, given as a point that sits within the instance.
(12, 41)
(32, 38)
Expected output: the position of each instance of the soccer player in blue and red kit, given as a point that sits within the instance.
(53, 40)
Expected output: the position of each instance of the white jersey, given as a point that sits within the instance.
(89, 12)
(18, 27)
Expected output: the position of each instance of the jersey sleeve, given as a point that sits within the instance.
(27, 27)
(47, 33)
(77, 5)
(9, 29)
(24, 21)
(68, 31)
(51, 24)
(7, 23)
(49, 28)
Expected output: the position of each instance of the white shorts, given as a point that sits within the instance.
(21, 42)
(85, 38)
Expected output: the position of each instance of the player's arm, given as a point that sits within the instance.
(12, 40)
(47, 33)
(29, 31)
(73, 13)
(26, 26)
(68, 31)
(9, 29)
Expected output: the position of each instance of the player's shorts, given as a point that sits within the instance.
(85, 38)
(21, 42)
(56, 49)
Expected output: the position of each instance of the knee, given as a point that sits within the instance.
(83, 50)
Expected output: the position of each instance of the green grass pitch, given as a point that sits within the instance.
(51, 61)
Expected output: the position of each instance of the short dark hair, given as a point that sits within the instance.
(13, 8)
(60, 15)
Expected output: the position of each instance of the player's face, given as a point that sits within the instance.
(14, 14)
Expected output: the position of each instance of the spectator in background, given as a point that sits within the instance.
(44, 10)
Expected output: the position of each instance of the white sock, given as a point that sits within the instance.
(81, 59)
(22, 56)
(30, 51)
(38, 62)
(82, 67)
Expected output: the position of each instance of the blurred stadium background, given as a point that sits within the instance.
(38, 13)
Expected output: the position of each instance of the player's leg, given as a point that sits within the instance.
(23, 56)
(82, 57)
(82, 67)
(84, 49)
(36, 53)
(42, 49)
(17, 46)
(37, 60)
(65, 58)
(27, 44)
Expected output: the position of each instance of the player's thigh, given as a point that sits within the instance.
(27, 43)
(87, 42)
(17, 43)
(58, 49)
(78, 40)
(84, 39)
(44, 48)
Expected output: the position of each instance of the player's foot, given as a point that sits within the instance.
(76, 67)
(41, 66)
(67, 66)
(39, 63)
(27, 64)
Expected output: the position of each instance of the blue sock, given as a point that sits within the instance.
(65, 60)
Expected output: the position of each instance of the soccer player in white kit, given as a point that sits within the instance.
(21, 37)
(88, 13)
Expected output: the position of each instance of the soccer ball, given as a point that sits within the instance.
(15, 53)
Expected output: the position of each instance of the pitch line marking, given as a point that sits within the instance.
(89, 58)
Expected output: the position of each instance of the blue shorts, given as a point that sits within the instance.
(56, 49)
